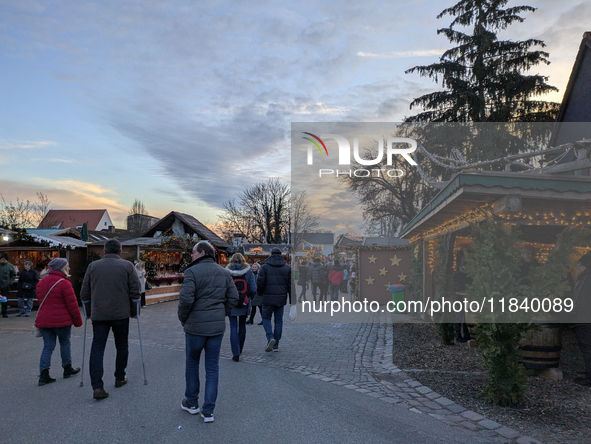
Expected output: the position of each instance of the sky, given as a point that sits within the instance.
(183, 104)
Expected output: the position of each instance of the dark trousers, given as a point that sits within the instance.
(4, 292)
(253, 312)
(315, 287)
(583, 332)
(101, 330)
(237, 334)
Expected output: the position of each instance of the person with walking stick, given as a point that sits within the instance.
(112, 287)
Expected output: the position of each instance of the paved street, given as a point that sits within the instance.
(329, 383)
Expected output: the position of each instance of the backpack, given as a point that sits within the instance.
(242, 288)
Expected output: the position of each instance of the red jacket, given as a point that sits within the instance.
(61, 307)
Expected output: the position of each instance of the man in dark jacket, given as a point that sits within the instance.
(274, 284)
(303, 280)
(207, 297)
(111, 286)
(315, 272)
(7, 275)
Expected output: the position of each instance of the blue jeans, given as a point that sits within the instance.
(49, 340)
(277, 311)
(334, 291)
(237, 334)
(194, 345)
(21, 305)
(100, 330)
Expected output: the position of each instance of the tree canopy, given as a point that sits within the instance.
(485, 78)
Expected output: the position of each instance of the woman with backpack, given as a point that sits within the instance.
(247, 287)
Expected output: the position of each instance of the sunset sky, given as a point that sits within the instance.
(182, 104)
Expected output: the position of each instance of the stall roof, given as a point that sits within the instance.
(318, 238)
(470, 190)
(264, 249)
(54, 232)
(61, 241)
(344, 241)
(383, 241)
(191, 225)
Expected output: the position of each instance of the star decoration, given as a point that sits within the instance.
(395, 260)
(383, 271)
(402, 277)
(370, 281)
(372, 259)
(388, 286)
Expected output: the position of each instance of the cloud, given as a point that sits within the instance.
(26, 145)
(76, 185)
(403, 54)
(64, 195)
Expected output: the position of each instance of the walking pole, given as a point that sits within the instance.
(83, 344)
(139, 332)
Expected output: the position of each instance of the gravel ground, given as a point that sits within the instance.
(555, 412)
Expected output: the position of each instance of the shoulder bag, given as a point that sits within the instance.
(39, 331)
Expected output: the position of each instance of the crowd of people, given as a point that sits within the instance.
(113, 290)
(326, 278)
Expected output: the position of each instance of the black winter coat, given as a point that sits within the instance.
(274, 281)
(315, 272)
(206, 298)
(30, 277)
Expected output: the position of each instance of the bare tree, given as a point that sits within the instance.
(23, 213)
(138, 219)
(260, 212)
(301, 218)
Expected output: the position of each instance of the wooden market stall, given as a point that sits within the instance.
(165, 250)
(40, 247)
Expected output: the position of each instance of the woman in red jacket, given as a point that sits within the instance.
(58, 311)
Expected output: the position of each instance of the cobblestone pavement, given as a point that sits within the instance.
(355, 356)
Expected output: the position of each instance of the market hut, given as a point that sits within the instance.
(165, 249)
(40, 246)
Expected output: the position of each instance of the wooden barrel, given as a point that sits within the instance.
(540, 347)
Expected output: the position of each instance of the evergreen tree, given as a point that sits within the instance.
(484, 77)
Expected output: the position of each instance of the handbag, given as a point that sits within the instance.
(148, 286)
(39, 331)
(27, 286)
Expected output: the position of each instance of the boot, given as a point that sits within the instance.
(44, 377)
(69, 370)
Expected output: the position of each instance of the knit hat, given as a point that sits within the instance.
(4, 256)
(58, 264)
(585, 260)
(275, 251)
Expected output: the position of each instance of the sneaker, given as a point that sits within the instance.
(270, 345)
(275, 349)
(207, 417)
(27, 315)
(99, 394)
(192, 409)
(19, 315)
(120, 383)
(236, 358)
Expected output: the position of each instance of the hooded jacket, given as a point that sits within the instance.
(336, 275)
(237, 272)
(207, 297)
(274, 281)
